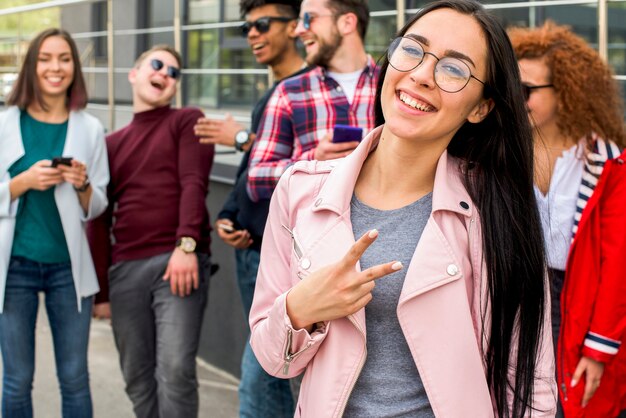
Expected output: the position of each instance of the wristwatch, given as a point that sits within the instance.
(187, 244)
(84, 186)
(241, 139)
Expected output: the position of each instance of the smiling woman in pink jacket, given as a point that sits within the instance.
(408, 278)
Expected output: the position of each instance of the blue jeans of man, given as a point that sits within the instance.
(70, 334)
(157, 335)
(260, 395)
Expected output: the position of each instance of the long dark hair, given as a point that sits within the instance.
(497, 154)
(26, 89)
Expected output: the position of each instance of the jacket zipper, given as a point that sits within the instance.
(356, 376)
(296, 246)
(289, 357)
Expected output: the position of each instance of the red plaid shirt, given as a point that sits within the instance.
(300, 112)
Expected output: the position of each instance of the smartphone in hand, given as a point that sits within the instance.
(226, 227)
(57, 161)
(347, 133)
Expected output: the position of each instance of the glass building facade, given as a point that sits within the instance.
(220, 74)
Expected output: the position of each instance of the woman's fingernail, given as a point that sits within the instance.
(373, 233)
(397, 266)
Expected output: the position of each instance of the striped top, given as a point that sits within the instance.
(594, 164)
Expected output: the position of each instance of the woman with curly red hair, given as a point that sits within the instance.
(576, 111)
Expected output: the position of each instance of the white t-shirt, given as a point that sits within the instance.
(558, 207)
(347, 81)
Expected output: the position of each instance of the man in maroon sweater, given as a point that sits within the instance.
(151, 247)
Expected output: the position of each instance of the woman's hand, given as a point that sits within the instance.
(337, 290)
(40, 176)
(76, 174)
(593, 371)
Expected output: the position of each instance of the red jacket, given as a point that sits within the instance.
(593, 301)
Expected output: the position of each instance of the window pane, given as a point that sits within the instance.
(617, 37)
(211, 11)
(203, 11)
(222, 49)
(623, 89)
(379, 34)
(161, 13)
(380, 5)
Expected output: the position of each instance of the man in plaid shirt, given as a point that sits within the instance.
(300, 116)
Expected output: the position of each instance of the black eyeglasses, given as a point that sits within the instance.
(527, 89)
(451, 74)
(262, 24)
(172, 72)
(307, 18)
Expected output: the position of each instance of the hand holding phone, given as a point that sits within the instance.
(57, 161)
(226, 227)
(347, 133)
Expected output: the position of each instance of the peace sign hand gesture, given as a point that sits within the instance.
(337, 290)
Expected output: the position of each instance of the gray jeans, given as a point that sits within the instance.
(157, 336)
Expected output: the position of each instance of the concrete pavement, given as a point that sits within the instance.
(218, 390)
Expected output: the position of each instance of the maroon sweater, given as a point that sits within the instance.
(159, 183)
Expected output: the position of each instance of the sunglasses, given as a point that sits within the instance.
(527, 89)
(172, 72)
(307, 18)
(262, 24)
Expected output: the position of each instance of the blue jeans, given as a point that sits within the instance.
(260, 395)
(70, 334)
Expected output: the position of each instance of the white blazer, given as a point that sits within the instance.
(84, 142)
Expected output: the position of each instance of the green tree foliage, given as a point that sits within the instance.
(17, 29)
(28, 23)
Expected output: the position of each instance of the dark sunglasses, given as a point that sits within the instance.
(262, 24)
(172, 72)
(527, 89)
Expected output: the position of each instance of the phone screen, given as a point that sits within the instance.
(346, 133)
(56, 161)
(226, 227)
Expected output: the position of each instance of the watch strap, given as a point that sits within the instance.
(84, 187)
(239, 145)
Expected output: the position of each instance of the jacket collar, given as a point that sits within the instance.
(11, 137)
(449, 193)
(595, 161)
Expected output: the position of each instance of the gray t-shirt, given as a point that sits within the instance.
(389, 384)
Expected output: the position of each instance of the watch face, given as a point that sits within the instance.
(187, 244)
(241, 137)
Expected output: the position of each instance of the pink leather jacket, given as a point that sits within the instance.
(309, 227)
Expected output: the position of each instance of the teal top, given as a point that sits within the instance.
(39, 233)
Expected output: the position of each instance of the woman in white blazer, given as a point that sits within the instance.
(45, 201)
